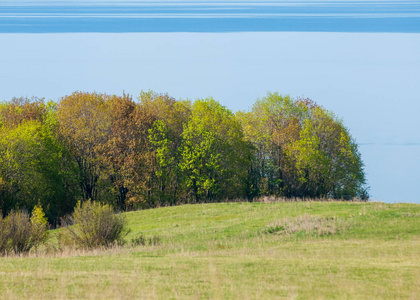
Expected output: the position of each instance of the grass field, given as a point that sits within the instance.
(301, 250)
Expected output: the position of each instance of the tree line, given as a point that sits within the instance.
(156, 151)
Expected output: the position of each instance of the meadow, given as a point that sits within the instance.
(295, 250)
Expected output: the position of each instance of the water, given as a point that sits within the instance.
(205, 16)
(364, 65)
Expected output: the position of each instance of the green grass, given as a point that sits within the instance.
(226, 250)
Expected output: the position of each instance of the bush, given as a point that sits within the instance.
(96, 225)
(39, 225)
(19, 232)
(4, 235)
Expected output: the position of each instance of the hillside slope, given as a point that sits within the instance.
(239, 250)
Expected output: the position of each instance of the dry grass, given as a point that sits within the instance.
(276, 199)
(307, 224)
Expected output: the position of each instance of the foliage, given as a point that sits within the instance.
(21, 110)
(301, 150)
(141, 152)
(327, 159)
(96, 225)
(121, 152)
(165, 139)
(84, 122)
(214, 153)
(159, 151)
(35, 168)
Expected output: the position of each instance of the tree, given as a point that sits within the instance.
(84, 121)
(162, 151)
(126, 153)
(120, 146)
(328, 159)
(165, 137)
(270, 126)
(301, 150)
(165, 168)
(35, 168)
(21, 110)
(214, 154)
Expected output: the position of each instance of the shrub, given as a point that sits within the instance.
(96, 225)
(20, 232)
(39, 225)
(4, 235)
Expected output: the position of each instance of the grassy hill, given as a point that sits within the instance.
(239, 250)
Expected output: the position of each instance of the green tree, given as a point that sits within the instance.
(328, 159)
(165, 136)
(165, 159)
(272, 124)
(301, 150)
(214, 154)
(35, 168)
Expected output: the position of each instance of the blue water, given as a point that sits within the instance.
(363, 62)
(202, 16)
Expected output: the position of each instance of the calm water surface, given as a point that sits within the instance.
(209, 16)
(360, 59)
